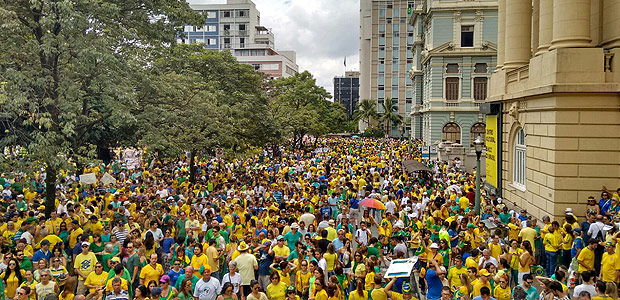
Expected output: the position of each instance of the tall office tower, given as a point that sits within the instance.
(455, 50)
(235, 26)
(386, 40)
(346, 91)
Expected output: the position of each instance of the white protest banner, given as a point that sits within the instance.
(88, 178)
(401, 267)
(107, 179)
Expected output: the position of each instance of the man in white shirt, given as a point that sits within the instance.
(207, 288)
(588, 278)
(487, 258)
(362, 234)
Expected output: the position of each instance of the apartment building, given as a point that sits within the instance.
(235, 26)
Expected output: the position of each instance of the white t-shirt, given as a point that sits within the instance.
(585, 287)
(362, 236)
(235, 280)
(390, 207)
(207, 290)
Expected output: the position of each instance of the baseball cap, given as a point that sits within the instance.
(164, 278)
(484, 272)
(434, 246)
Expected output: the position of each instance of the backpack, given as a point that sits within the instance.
(599, 235)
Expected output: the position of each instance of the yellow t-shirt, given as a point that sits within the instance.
(149, 273)
(477, 286)
(496, 250)
(277, 292)
(586, 256)
(69, 296)
(212, 259)
(609, 265)
(281, 251)
(199, 261)
(320, 295)
(73, 236)
(454, 274)
(355, 296)
(85, 263)
(501, 294)
(303, 281)
(94, 279)
(331, 261)
(124, 286)
(378, 294)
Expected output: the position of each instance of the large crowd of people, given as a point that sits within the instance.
(291, 226)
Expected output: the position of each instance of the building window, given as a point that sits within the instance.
(211, 41)
(452, 88)
(480, 68)
(452, 68)
(451, 132)
(211, 28)
(480, 88)
(467, 36)
(211, 14)
(519, 159)
(478, 129)
(388, 20)
(226, 14)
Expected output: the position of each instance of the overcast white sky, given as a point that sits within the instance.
(322, 32)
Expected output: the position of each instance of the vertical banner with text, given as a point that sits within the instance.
(491, 139)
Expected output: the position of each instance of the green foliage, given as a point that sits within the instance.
(299, 107)
(390, 116)
(197, 100)
(70, 69)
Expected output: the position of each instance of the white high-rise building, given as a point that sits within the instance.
(235, 26)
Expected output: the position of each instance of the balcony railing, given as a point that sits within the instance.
(608, 61)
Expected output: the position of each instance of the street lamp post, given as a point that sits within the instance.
(478, 145)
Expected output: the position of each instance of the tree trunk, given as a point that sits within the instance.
(192, 167)
(50, 190)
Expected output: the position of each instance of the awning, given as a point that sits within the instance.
(415, 166)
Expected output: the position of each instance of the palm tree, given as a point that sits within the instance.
(366, 110)
(390, 115)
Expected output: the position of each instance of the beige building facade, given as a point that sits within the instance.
(556, 96)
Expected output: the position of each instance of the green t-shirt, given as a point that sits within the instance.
(374, 251)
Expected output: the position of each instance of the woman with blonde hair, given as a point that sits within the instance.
(462, 292)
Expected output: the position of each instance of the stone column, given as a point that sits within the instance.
(571, 24)
(545, 31)
(535, 26)
(518, 35)
(501, 33)
(611, 24)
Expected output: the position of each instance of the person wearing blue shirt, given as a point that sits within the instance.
(267, 256)
(485, 294)
(577, 243)
(44, 252)
(604, 203)
(434, 283)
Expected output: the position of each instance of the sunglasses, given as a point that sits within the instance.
(21, 293)
(12, 264)
(529, 282)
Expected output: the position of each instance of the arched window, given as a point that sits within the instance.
(478, 129)
(451, 132)
(519, 159)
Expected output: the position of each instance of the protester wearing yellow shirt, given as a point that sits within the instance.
(152, 271)
(610, 265)
(281, 251)
(586, 257)
(199, 260)
(502, 291)
(96, 279)
(454, 273)
(75, 233)
(481, 282)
